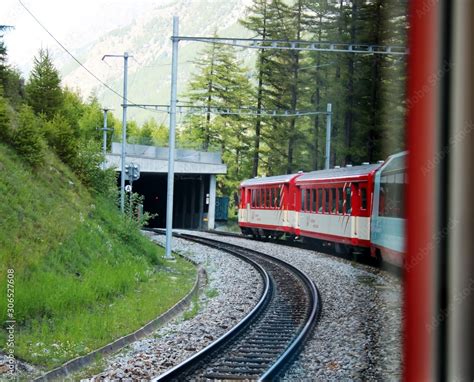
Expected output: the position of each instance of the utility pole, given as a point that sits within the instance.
(328, 134)
(124, 125)
(105, 129)
(170, 193)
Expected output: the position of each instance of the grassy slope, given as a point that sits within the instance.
(83, 276)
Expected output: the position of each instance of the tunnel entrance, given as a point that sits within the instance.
(189, 205)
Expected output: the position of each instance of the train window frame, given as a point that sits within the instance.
(348, 200)
(340, 200)
(333, 206)
(320, 200)
(326, 200)
(303, 199)
(314, 200)
(308, 200)
(363, 197)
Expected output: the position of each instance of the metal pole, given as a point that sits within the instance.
(328, 134)
(124, 132)
(170, 195)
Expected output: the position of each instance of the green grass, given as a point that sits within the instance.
(191, 313)
(211, 293)
(83, 275)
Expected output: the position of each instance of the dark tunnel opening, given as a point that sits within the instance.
(189, 202)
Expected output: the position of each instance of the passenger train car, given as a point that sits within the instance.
(268, 206)
(387, 234)
(335, 207)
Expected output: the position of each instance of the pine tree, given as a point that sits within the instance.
(28, 137)
(221, 82)
(3, 55)
(43, 91)
(5, 129)
(61, 138)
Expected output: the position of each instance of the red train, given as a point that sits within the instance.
(330, 207)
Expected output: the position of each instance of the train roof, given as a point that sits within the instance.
(269, 180)
(395, 162)
(339, 173)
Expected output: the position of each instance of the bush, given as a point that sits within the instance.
(88, 167)
(5, 130)
(61, 138)
(28, 138)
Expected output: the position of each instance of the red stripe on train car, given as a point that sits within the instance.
(335, 238)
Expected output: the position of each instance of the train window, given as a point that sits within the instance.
(333, 200)
(303, 198)
(308, 200)
(391, 201)
(320, 200)
(313, 193)
(348, 201)
(279, 193)
(267, 198)
(262, 193)
(252, 198)
(340, 200)
(257, 198)
(326, 200)
(363, 198)
(272, 197)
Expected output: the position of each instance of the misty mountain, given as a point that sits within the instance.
(147, 39)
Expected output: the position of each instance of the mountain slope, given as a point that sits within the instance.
(147, 38)
(83, 276)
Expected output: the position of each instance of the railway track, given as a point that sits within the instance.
(266, 341)
(309, 245)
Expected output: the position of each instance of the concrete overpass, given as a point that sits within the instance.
(195, 182)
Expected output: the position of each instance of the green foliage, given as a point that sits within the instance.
(13, 87)
(83, 277)
(366, 91)
(134, 215)
(43, 90)
(28, 137)
(221, 82)
(88, 167)
(5, 129)
(62, 139)
(191, 313)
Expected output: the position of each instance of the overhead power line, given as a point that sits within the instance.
(255, 43)
(242, 111)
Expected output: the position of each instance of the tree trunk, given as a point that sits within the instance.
(258, 122)
(349, 117)
(375, 93)
(294, 95)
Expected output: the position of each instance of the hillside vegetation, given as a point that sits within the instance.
(83, 275)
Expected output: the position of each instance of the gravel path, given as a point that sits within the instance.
(234, 288)
(358, 335)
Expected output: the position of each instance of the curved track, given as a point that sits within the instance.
(265, 342)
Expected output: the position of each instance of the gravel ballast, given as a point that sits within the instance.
(358, 334)
(234, 287)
